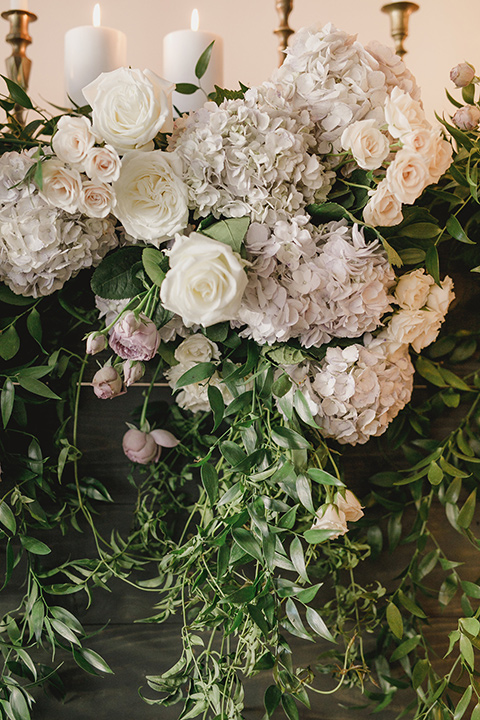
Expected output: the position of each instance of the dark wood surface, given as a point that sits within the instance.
(135, 650)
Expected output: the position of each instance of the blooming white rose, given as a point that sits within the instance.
(61, 185)
(408, 175)
(73, 140)
(383, 208)
(403, 114)
(96, 199)
(417, 328)
(206, 281)
(368, 145)
(439, 158)
(151, 196)
(412, 289)
(330, 517)
(103, 164)
(129, 107)
(349, 505)
(440, 297)
(196, 349)
(194, 397)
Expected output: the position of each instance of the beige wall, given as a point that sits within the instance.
(442, 33)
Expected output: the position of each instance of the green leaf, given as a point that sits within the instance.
(232, 452)
(435, 474)
(394, 619)
(7, 399)
(405, 648)
(327, 211)
(18, 94)
(313, 537)
(468, 95)
(9, 343)
(287, 438)
(432, 263)
(286, 355)
(323, 477)
(90, 661)
(421, 230)
(34, 325)
(215, 398)
(465, 516)
(229, 232)
(476, 712)
(201, 371)
(429, 371)
(298, 558)
(210, 481)
(218, 332)
(289, 707)
(471, 589)
(412, 256)
(186, 88)
(303, 410)
(247, 543)
(7, 518)
(116, 276)
(409, 605)
(318, 625)
(11, 298)
(34, 546)
(456, 230)
(466, 651)
(19, 705)
(36, 387)
(304, 492)
(64, 631)
(271, 699)
(203, 61)
(280, 388)
(420, 672)
(297, 627)
(153, 260)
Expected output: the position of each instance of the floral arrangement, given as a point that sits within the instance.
(275, 257)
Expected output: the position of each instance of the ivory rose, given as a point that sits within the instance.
(134, 338)
(418, 328)
(151, 196)
(384, 208)
(129, 107)
(330, 517)
(412, 289)
(96, 199)
(368, 145)
(195, 349)
(107, 383)
(440, 297)
(61, 185)
(349, 505)
(73, 140)
(103, 164)
(403, 114)
(408, 176)
(206, 281)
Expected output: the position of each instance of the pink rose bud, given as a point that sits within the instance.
(462, 74)
(135, 338)
(96, 342)
(132, 371)
(107, 383)
(140, 447)
(467, 117)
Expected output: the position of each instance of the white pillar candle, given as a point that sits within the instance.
(181, 51)
(19, 5)
(89, 51)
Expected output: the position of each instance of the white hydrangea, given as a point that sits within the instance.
(396, 72)
(313, 284)
(252, 157)
(41, 247)
(332, 75)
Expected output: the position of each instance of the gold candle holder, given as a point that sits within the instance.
(18, 64)
(399, 16)
(284, 8)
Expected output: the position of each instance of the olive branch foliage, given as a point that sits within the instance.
(240, 563)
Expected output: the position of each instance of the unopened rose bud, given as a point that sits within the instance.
(135, 338)
(132, 371)
(107, 383)
(96, 342)
(467, 117)
(140, 447)
(462, 74)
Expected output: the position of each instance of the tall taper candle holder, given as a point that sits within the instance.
(18, 64)
(284, 8)
(399, 15)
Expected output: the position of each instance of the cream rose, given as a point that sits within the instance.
(61, 185)
(439, 158)
(412, 289)
(403, 114)
(330, 517)
(418, 328)
(73, 140)
(196, 349)
(103, 164)
(129, 107)
(368, 145)
(383, 208)
(96, 199)
(440, 297)
(350, 505)
(151, 196)
(408, 175)
(206, 281)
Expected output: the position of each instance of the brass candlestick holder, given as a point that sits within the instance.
(284, 8)
(18, 64)
(399, 16)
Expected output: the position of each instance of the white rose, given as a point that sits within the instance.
(330, 517)
(440, 297)
(417, 328)
(408, 175)
(368, 145)
(349, 505)
(103, 164)
(195, 349)
(96, 199)
(129, 107)
(383, 208)
(61, 185)
(412, 289)
(73, 140)
(206, 281)
(151, 196)
(439, 158)
(403, 114)
(194, 397)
